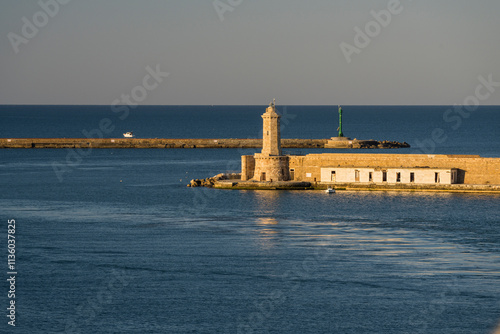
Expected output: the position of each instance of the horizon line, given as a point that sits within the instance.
(252, 105)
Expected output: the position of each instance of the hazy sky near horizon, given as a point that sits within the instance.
(94, 52)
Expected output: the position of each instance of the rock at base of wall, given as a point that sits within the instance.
(209, 182)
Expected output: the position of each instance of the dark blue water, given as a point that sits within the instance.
(427, 129)
(118, 244)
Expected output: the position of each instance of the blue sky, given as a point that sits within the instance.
(93, 52)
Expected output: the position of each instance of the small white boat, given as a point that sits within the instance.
(128, 135)
(330, 191)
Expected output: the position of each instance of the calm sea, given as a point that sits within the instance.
(115, 242)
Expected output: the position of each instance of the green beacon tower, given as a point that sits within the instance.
(341, 134)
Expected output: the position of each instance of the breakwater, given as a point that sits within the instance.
(296, 185)
(59, 143)
(233, 181)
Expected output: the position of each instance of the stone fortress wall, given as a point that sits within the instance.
(472, 169)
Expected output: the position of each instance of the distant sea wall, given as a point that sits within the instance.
(151, 143)
(56, 143)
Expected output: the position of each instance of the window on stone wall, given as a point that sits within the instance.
(384, 176)
(292, 174)
(370, 177)
(398, 177)
(412, 177)
(356, 175)
(437, 178)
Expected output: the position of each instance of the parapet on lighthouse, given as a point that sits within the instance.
(270, 164)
